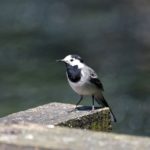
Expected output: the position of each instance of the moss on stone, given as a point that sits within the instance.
(99, 121)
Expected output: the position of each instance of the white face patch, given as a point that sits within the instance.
(73, 61)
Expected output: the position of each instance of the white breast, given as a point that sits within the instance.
(84, 86)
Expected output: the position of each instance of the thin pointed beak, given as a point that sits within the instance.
(60, 60)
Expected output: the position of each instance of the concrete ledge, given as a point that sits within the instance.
(37, 129)
(29, 136)
(60, 114)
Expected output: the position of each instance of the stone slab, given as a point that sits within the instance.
(61, 114)
(29, 136)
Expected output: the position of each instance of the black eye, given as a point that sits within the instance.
(71, 60)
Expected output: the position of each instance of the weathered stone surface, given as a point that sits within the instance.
(29, 136)
(36, 129)
(63, 115)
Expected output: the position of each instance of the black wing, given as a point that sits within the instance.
(97, 82)
(94, 79)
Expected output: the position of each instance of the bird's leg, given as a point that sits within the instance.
(81, 98)
(92, 102)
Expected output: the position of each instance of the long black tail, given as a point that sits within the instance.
(105, 104)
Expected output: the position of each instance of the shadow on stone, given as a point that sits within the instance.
(86, 108)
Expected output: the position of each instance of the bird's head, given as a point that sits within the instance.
(73, 60)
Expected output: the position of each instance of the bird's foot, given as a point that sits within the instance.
(73, 110)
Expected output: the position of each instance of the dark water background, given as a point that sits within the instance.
(113, 37)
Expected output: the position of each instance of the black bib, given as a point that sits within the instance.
(74, 73)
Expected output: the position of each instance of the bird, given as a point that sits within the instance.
(84, 81)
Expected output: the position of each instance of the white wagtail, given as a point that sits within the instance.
(84, 81)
